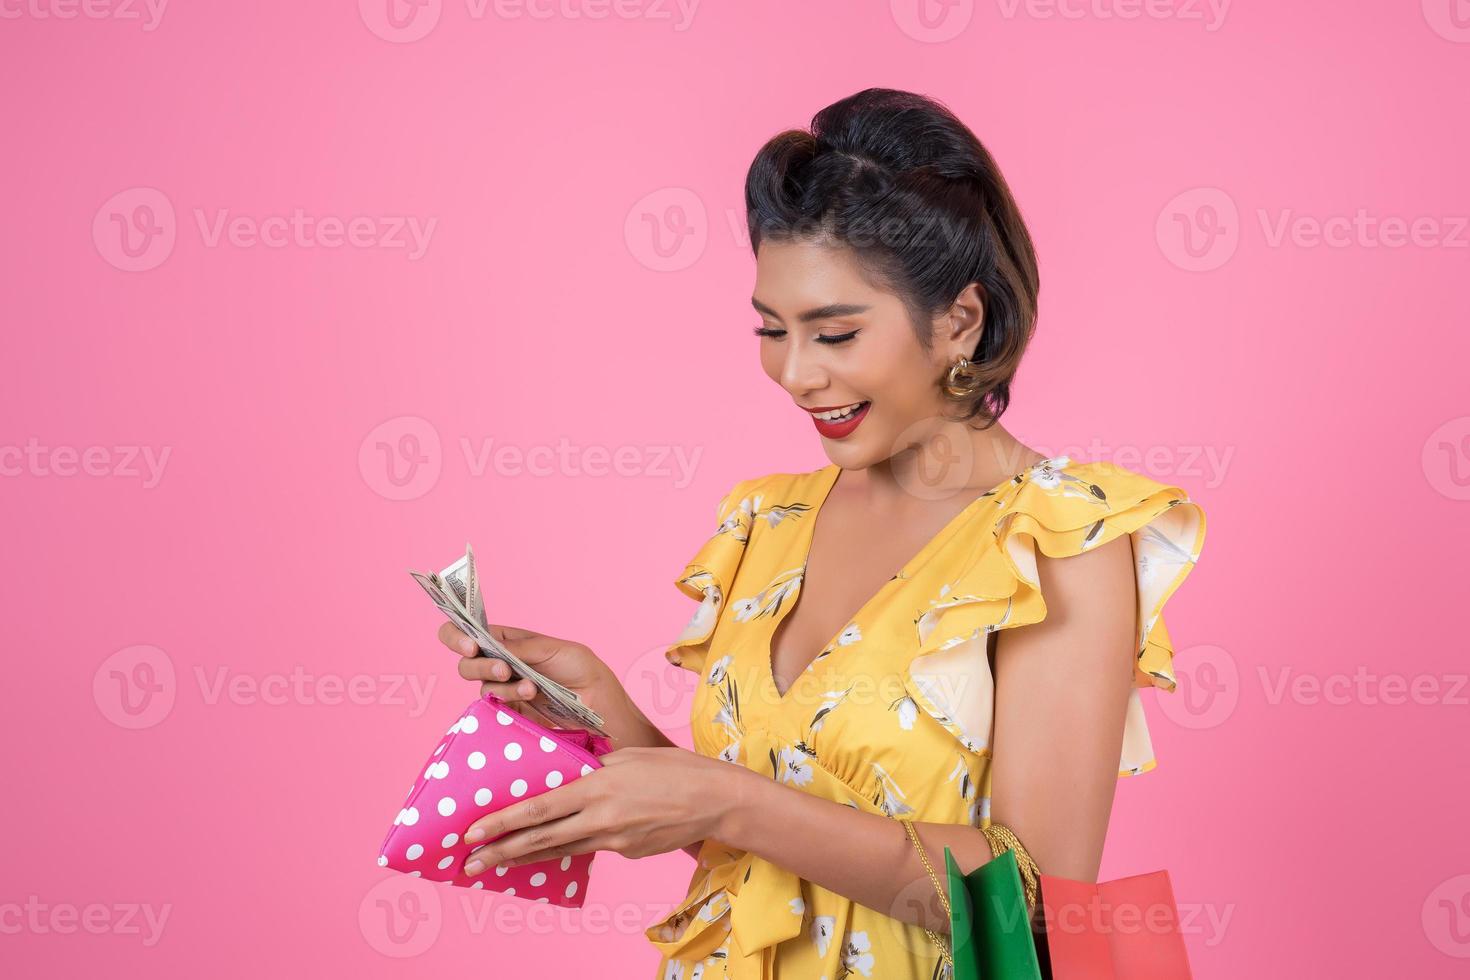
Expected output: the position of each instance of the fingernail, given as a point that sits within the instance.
(468, 646)
(526, 688)
(473, 834)
(474, 868)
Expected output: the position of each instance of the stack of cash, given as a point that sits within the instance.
(456, 591)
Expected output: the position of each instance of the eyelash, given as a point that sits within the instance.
(841, 338)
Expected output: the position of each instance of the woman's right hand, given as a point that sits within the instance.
(564, 661)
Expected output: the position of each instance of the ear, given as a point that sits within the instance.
(958, 330)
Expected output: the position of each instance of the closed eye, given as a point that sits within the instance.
(777, 332)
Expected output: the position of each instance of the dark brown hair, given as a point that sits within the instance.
(897, 178)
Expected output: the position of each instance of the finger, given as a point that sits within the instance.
(485, 669)
(543, 837)
(552, 804)
(457, 640)
(583, 846)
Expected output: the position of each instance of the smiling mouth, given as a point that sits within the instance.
(838, 421)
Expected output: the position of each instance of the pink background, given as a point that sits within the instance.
(1311, 395)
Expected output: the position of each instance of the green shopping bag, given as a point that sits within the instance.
(990, 931)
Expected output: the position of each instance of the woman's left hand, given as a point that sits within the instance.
(642, 801)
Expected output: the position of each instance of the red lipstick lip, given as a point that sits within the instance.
(840, 430)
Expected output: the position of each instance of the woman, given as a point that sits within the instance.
(967, 621)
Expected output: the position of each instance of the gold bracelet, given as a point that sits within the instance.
(944, 950)
(1001, 839)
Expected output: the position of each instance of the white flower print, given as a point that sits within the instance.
(798, 906)
(833, 699)
(768, 601)
(731, 752)
(908, 712)
(851, 635)
(822, 929)
(674, 970)
(717, 670)
(857, 954)
(890, 798)
(776, 514)
(1044, 474)
(794, 767)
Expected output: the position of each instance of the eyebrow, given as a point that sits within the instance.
(829, 312)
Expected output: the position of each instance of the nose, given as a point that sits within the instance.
(802, 370)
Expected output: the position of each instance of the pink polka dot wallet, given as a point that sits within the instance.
(490, 758)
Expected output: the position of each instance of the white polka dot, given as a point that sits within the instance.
(382, 860)
(566, 862)
(586, 769)
(476, 760)
(440, 748)
(399, 819)
(449, 840)
(438, 770)
(543, 898)
(446, 862)
(571, 888)
(553, 778)
(510, 891)
(478, 884)
(547, 745)
(500, 871)
(482, 796)
(446, 806)
(469, 724)
(512, 750)
(415, 851)
(454, 727)
(410, 816)
(518, 788)
(504, 718)
(538, 879)
(415, 874)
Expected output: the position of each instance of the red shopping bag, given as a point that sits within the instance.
(1124, 929)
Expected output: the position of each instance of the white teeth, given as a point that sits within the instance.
(839, 414)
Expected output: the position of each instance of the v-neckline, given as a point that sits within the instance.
(830, 474)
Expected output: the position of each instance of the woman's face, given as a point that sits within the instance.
(833, 342)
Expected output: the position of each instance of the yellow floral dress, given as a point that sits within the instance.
(894, 715)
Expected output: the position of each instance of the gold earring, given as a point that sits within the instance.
(953, 386)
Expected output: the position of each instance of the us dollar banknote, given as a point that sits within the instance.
(456, 591)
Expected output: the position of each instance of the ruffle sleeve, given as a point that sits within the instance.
(708, 575)
(1065, 511)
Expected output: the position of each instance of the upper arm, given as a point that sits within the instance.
(1061, 698)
